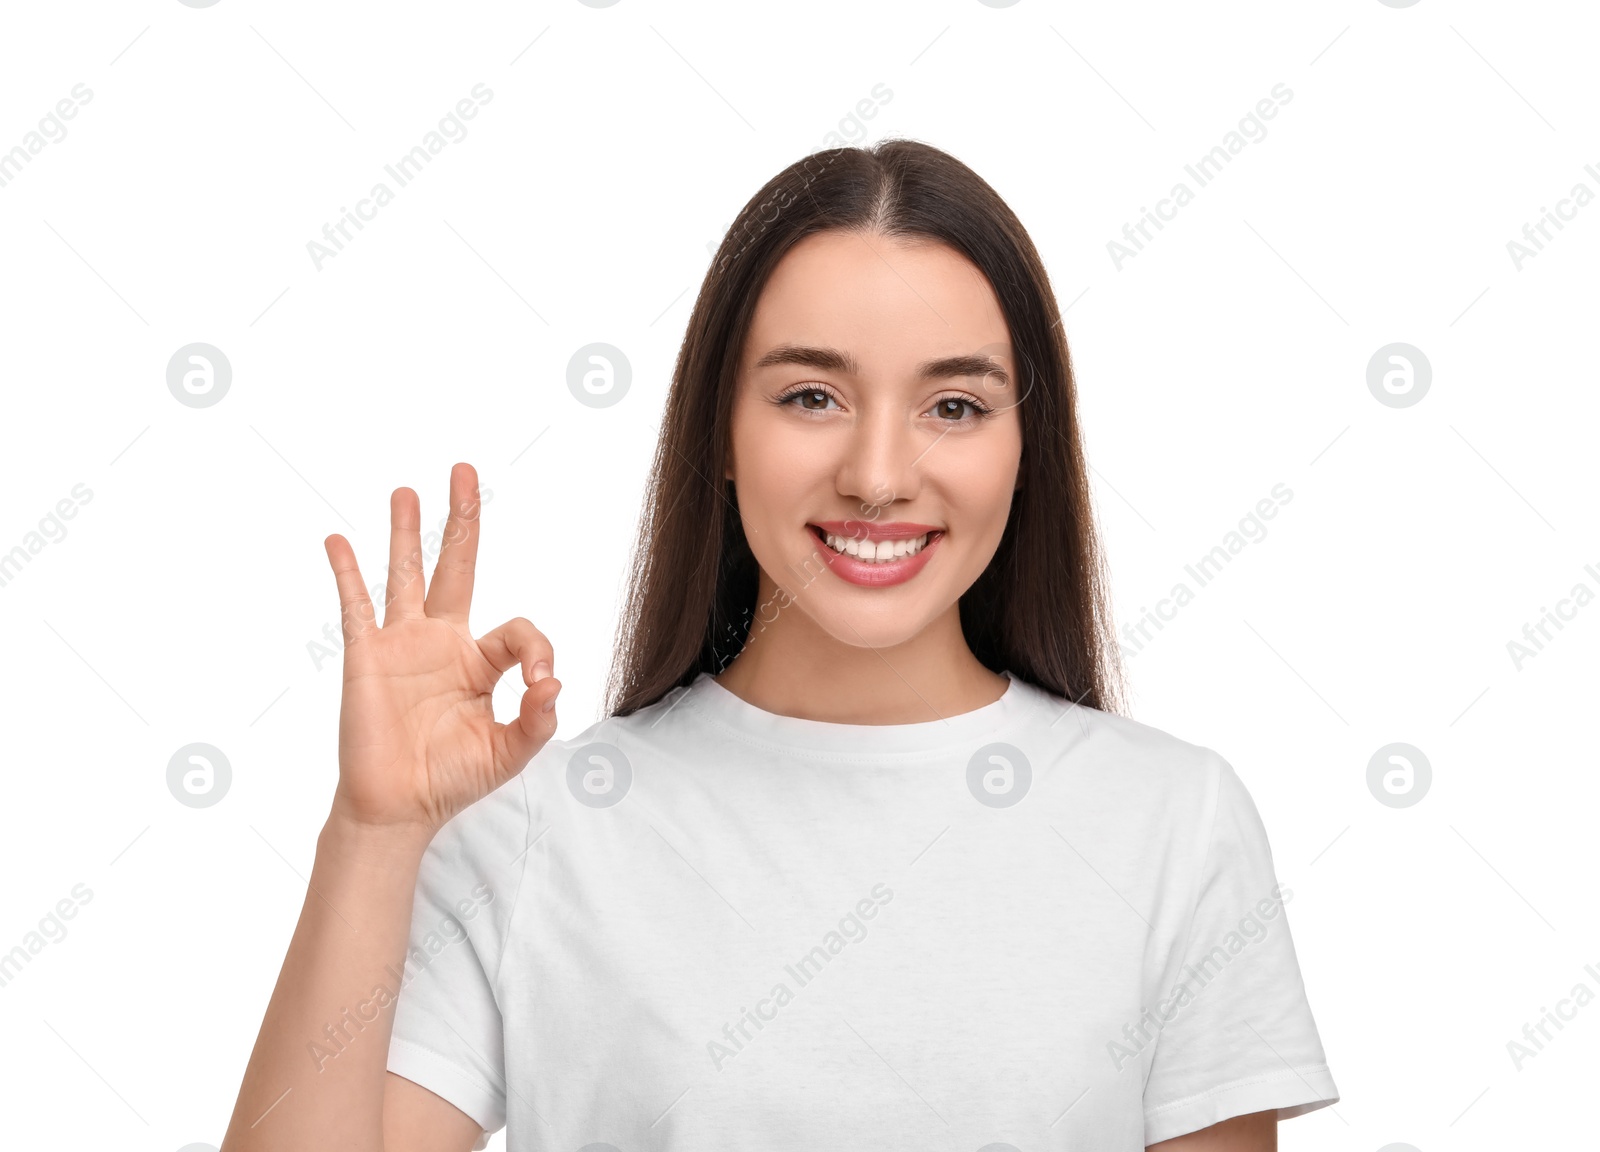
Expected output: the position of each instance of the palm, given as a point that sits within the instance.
(418, 740)
(416, 727)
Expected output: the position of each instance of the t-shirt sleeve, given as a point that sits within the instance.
(1236, 1032)
(448, 1032)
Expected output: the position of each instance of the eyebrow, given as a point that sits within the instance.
(833, 360)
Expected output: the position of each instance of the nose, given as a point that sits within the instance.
(881, 460)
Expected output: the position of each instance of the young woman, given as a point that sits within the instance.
(862, 854)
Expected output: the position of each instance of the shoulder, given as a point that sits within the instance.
(1107, 737)
(1120, 757)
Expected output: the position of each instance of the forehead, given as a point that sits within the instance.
(889, 302)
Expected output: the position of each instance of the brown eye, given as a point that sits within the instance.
(811, 399)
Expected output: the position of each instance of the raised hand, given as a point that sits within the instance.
(418, 740)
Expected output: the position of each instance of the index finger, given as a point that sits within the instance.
(450, 594)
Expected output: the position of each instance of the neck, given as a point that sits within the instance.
(791, 667)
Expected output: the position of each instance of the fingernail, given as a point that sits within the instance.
(541, 670)
(551, 703)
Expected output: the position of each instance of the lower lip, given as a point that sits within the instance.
(875, 575)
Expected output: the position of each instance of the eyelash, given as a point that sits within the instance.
(981, 409)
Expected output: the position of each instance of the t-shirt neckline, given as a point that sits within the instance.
(724, 707)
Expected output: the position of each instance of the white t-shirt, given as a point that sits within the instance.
(710, 927)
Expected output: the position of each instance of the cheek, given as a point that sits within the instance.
(978, 497)
(775, 496)
(778, 469)
(980, 484)
(763, 488)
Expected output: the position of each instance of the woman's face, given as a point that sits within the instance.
(876, 411)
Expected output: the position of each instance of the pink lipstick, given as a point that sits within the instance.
(874, 554)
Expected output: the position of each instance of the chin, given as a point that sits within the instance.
(878, 625)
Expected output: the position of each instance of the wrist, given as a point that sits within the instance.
(385, 845)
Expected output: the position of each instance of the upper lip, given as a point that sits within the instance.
(874, 530)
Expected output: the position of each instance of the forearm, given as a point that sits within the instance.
(316, 1077)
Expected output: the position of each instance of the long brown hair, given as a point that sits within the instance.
(1040, 610)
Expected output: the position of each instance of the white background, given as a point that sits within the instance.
(1227, 357)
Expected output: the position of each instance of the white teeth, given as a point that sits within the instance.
(879, 551)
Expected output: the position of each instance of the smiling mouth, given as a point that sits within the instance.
(874, 551)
